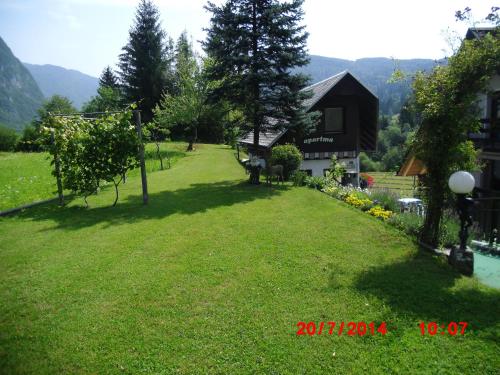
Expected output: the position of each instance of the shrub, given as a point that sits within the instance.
(299, 178)
(288, 156)
(380, 213)
(317, 182)
(387, 199)
(8, 139)
(408, 222)
(30, 140)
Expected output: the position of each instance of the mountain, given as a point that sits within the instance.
(75, 85)
(20, 96)
(374, 74)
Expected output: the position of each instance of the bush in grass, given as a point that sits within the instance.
(299, 178)
(408, 222)
(288, 156)
(317, 182)
(387, 199)
(30, 140)
(8, 139)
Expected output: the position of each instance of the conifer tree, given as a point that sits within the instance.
(108, 78)
(145, 62)
(255, 44)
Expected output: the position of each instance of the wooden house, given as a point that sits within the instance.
(348, 125)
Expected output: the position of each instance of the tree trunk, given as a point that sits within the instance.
(192, 140)
(431, 228)
(116, 191)
(158, 154)
(255, 171)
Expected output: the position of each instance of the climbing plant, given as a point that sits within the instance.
(447, 102)
(92, 151)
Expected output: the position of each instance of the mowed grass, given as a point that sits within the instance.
(27, 177)
(213, 276)
(388, 180)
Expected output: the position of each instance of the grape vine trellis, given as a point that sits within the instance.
(90, 149)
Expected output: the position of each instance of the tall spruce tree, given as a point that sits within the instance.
(108, 78)
(254, 45)
(145, 60)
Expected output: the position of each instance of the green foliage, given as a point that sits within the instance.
(145, 63)
(337, 170)
(299, 178)
(107, 99)
(56, 104)
(8, 138)
(386, 199)
(446, 100)
(185, 108)
(92, 151)
(289, 156)
(409, 223)
(395, 135)
(317, 182)
(366, 164)
(30, 140)
(108, 78)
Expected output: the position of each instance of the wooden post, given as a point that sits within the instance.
(145, 197)
(238, 150)
(57, 165)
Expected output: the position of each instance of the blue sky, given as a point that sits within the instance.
(87, 35)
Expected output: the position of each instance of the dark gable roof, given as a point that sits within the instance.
(321, 88)
(479, 32)
(266, 138)
(269, 137)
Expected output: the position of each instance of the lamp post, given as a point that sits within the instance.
(462, 183)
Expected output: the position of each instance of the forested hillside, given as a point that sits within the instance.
(374, 73)
(20, 96)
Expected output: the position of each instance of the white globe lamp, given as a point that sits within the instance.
(461, 182)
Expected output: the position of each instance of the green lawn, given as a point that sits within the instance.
(213, 277)
(27, 177)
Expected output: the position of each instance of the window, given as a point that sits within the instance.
(334, 120)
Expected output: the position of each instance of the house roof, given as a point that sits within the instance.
(267, 138)
(320, 89)
(479, 32)
(412, 167)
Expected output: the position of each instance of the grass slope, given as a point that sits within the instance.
(213, 276)
(27, 177)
